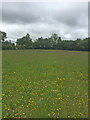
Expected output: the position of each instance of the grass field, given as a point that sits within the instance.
(45, 84)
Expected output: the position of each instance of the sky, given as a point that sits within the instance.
(41, 19)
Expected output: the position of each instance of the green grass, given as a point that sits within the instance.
(45, 84)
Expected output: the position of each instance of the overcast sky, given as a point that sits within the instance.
(68, 20)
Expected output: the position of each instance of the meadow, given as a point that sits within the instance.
(44, 84)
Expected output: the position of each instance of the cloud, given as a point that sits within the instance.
(69, 20)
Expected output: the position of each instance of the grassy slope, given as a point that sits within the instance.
(45, 83)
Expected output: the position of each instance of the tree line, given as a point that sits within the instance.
(53, 42)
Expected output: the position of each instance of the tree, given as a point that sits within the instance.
(39, 43)
(59, 43)
(54, 38)
(2, 36)
(7, 45)
(54, 42)
(25, 42)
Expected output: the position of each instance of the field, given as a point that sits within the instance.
(45, 84)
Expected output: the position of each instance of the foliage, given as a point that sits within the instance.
(25, 42)
(2, 36)
(53, 42)
(7, 45)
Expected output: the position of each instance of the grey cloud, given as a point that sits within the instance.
(18, 13)
(34, 12)
(69, 20)
(73, 13)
